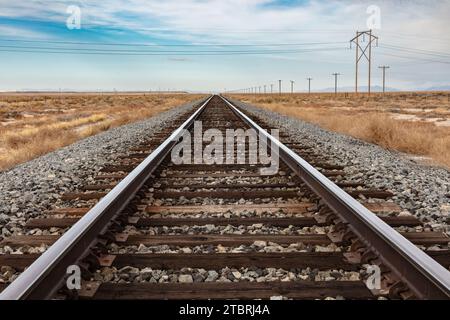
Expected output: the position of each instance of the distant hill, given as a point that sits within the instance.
(441, 88)
(66, 91)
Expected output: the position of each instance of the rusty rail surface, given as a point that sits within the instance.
(45, 276)
(426, 278)
(423, 275)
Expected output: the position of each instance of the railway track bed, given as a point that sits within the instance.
(146, 228)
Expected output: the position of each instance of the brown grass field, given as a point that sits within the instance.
(417, 123)
(35, 124)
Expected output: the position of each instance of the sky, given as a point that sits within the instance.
(219, 45)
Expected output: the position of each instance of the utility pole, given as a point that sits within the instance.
(384, 76)
(259, 89)
(335, 81)
(292, 86)
(271, 88)
(279, 86)
(265, 89)
(309, 84)
(366, 51)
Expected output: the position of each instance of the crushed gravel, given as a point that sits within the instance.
(29, 189)
(219, 201)
(257, 246)
(238, 230)
(423, 190)
(130, 274)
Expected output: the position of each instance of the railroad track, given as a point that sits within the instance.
(151, 229)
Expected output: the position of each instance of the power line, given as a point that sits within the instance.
(172, 53)
(159, 52)
(123, 27)
(368, 56)
(414, 58)
(384, 76)
(309, 84)
(335, 81)
(405, 35)
(417, 51)
(172, 44)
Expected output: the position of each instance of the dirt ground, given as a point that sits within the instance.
(417, 123)
(35, 124)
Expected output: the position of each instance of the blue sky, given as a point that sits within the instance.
(212, 45)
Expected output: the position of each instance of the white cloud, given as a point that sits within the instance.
(17, 32)
(226, 20)
(415, 24)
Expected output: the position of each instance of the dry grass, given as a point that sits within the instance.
(33, 125)
(375, 120)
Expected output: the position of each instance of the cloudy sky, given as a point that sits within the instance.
(203, 45)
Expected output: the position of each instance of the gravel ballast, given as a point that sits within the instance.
(423, 190)
(30, 189)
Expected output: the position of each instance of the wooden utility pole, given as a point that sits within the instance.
(309, 84)
(384, 76)
(366, 52)
(357, 58)
(370, 60)
(292, 86)
(335, 81)
(279, 86)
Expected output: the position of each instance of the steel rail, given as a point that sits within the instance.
(425, 277)
(46, 275)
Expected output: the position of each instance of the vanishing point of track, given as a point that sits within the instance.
(309, 197)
